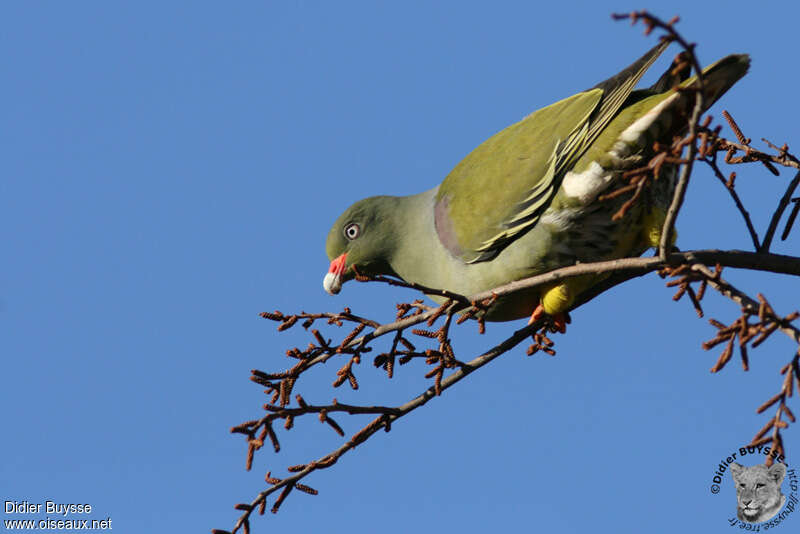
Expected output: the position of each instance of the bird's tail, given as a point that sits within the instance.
(720, 76)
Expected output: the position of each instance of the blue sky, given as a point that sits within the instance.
(170, 170)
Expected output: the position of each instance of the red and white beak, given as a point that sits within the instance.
(333, 280)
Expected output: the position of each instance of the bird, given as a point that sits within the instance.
(526, 201)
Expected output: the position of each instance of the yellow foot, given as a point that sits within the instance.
(560, 320)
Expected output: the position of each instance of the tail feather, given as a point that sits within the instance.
(677, 72)
(720, 76)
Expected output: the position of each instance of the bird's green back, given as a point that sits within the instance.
(499, 191)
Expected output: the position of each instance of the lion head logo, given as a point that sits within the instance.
(758, 491)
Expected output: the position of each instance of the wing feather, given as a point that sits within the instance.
(500, 190)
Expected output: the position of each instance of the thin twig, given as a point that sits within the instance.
(652, 22)
(382, 421)
(776, 217)
(712, 162)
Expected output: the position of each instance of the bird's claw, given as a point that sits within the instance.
(559, 320)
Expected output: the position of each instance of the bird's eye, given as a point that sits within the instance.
(352, 231)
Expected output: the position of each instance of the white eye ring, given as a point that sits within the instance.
(352, 231)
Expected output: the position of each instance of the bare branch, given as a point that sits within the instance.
(388, 415)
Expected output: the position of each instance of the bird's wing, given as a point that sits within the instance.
(499, 191)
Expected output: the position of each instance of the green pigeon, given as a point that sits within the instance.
(526, 200)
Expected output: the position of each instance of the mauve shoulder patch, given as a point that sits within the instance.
(444, 227)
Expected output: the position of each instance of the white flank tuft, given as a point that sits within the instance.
(559, 219)
(633, 133)
(586, 185)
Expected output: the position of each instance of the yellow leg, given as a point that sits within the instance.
(555, 302)
(557, 299)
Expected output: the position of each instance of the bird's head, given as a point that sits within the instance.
(363, 236)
